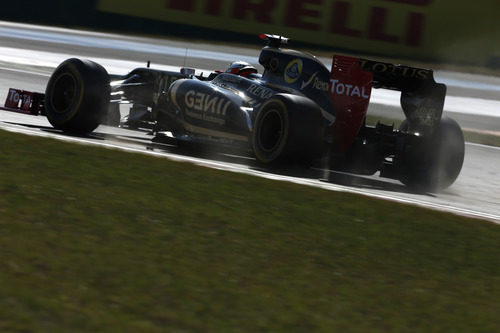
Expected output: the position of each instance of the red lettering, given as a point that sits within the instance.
(309, 15)
(297, 12)
(186, 5)
(341, 13)
(413, 2)
(213, 7)
(261, 10)
(414, 29)
(377, 26)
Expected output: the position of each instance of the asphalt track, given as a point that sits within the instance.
(28, 54)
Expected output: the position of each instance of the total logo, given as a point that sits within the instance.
(15, 96)
(343, 89)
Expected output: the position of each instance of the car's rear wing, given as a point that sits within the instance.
(351, 83)
(422, 99)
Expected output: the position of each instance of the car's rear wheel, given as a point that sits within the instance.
(77, 96)
(433, 164)
(271, 132)
(288, 128)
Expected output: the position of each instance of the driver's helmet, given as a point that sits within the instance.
(241, 68)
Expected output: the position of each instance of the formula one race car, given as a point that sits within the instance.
(295, 111)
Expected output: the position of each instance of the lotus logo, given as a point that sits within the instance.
(293, 71)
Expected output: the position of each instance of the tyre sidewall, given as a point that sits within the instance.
(90, 101)
(57, 117)
(302, 137)
(271, 107)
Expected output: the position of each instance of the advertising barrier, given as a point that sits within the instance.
(54, 12)
(434, 30)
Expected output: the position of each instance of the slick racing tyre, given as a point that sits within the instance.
(77, 96)
(288, 129)
(433, 164)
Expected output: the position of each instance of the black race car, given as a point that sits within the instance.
(296, 111)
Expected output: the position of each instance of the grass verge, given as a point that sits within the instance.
(101, 240)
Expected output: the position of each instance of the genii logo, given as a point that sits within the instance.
(293, 71)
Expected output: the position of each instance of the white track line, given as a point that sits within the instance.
(464, 105)
(24, 71)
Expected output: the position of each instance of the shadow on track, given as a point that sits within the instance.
(325, 175)
(235, 157)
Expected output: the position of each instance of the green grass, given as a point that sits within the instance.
(96, 240)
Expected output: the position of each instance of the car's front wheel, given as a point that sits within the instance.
(77, 96)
